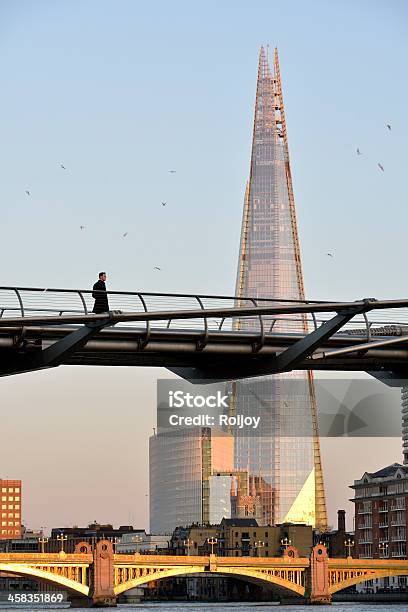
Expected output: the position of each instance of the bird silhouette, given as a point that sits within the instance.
(172, 171)
(330, 254)
(380, 167)
(62, 166)
(125, 234)
(82, 227)
(359, 152)
(164, 203)
(27, 192)
(389, 127)
(157, 268)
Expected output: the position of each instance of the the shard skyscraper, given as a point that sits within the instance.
(285, 459)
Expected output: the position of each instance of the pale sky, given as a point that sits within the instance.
(120, 93)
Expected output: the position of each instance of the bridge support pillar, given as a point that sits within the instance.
(101, 593)
(318, 591)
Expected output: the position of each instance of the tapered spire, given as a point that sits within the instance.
(270, 267)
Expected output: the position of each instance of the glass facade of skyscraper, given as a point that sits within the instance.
(286, 457)
(182, 463)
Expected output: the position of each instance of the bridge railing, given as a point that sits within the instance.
(47, 303)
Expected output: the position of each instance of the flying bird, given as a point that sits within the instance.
(125, 234)
(330, 254)
(389, 127)
(82, 227)
(380, 167)
(164, 203)
(62, 166)
(27, 192)
(359, 152)
(172, 171)
(157, 268)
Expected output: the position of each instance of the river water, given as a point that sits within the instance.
(223, 607)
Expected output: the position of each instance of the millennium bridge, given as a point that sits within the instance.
(202, 338)
(94, 575)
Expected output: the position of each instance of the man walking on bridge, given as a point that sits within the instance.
(99, 295)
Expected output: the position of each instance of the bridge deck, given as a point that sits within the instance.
(202, 336)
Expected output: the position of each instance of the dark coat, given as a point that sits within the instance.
(101, 299)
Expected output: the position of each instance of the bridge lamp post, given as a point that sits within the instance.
(349, 545)
(326, 544)
(188, 543)
(42, 541)
(62, 538)
(383, 548)
(285, 543)
(115, 540)
(212, 542)
(137, 540)
(259, 544)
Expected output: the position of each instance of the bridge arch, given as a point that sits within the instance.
(45, 576)
(270, 577)
(353, 577)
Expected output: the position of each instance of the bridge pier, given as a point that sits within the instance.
(101, 591)
(317, 587)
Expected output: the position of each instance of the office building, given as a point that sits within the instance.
(11, 509)
(190, 477)
(286, 456)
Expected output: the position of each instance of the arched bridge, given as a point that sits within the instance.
(98, 576)
(201, 337)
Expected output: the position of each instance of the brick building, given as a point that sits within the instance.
(380, 513)
(95, 531)
(10, 495)
(192, 540)
(336, 538)
(245, 538)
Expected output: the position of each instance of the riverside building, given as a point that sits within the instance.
(286, 455)
(380, 501)
(191, 471)
(10, 496)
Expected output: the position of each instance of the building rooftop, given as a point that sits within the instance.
(388, 471)
(239, 522)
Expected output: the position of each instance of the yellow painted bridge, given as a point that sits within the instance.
(98, 576)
